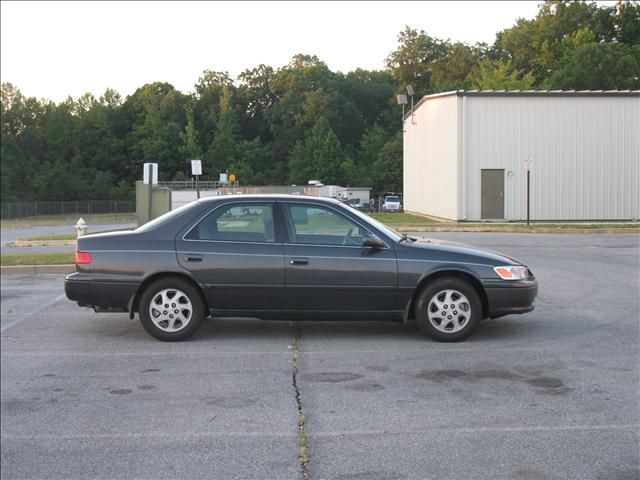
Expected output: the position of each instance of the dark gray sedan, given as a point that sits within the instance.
(291, 257)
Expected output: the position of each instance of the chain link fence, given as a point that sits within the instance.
(34, 209)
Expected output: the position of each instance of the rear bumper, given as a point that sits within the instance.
(88, 292)
(508, 298)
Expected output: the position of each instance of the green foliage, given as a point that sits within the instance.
(387, 168)
(319, 156)
(500, 75)
(411, 62)
(602, 66)
(300, 121)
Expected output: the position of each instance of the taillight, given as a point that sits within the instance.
(83, 257)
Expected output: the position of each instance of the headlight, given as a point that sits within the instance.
(512, 272)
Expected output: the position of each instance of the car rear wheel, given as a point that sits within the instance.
(171, 309)
(448, 309)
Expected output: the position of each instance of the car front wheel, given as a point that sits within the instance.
(448, 309)
(171, 309)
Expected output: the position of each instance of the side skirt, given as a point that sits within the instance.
(393, 315)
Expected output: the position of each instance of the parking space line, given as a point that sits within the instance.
(46, 305)
(620, 351)
(523, 428)
(172, 435)
(328, 434)
(126, 354)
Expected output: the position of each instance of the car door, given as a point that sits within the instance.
(326, 266)
(233, 250)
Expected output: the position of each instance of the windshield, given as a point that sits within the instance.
(392, 199)
(166, 217)
(379, 225)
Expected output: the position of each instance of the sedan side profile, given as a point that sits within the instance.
(291, 257)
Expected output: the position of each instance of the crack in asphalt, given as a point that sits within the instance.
(303, 456)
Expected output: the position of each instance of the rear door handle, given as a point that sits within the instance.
(193, 258)
(299, 261)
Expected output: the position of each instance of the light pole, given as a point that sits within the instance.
(410, 92)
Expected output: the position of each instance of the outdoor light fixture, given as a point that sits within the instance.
(402, 100)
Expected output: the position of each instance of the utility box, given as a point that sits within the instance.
(160, 201)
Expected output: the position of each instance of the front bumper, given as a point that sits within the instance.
(101, 295)
(506, 298)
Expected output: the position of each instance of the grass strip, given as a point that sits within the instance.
(44, 238)
(11, 259)
(69, 219)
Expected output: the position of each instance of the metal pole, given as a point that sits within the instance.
(412, 122)
(528, 193)
(150, 191)
(198, 185)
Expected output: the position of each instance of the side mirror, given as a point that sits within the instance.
(371, 241)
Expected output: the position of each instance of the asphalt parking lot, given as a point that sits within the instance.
(553, 394)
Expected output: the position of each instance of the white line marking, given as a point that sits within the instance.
(310, 352)
(523, 428)
(187, 435)
(46, 305)
(127, 354)
(172, 435)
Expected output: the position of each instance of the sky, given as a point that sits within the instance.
(57, 49)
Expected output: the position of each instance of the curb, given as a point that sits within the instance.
(42, 243)
(36, 269)
(606, 231)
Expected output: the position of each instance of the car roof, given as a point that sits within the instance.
(271, 196)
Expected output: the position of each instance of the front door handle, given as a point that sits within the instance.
(299, 261)
(193, 258)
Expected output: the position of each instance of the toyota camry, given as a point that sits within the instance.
(291, 257)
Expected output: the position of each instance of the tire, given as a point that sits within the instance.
(181, 297)
(456, 323)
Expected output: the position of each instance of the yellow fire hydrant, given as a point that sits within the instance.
(81, 227)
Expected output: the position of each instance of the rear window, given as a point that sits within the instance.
(392, 199)
(167, 216)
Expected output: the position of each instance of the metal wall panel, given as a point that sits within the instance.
(431, 159)
(586, 153)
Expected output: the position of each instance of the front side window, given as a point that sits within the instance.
(236, 223)
(310, 224)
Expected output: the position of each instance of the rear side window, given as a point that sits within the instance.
(236, 223)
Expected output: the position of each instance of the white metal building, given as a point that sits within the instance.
(465, 153)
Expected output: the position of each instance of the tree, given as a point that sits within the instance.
(450, 71)
(500, 75)
(598, 66)
(320, 156)
(222, 152)
(412, 62)
(387, 168)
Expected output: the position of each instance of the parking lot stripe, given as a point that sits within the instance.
(523, 428)
(187, 435)
(135, 354)
(172, 435)
(46, 305)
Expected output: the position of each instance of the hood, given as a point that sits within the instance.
(463, 249)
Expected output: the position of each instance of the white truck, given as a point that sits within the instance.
(391, 204)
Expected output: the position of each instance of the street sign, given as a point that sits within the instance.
(150, 173)
(196, 167)
(528, 164)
